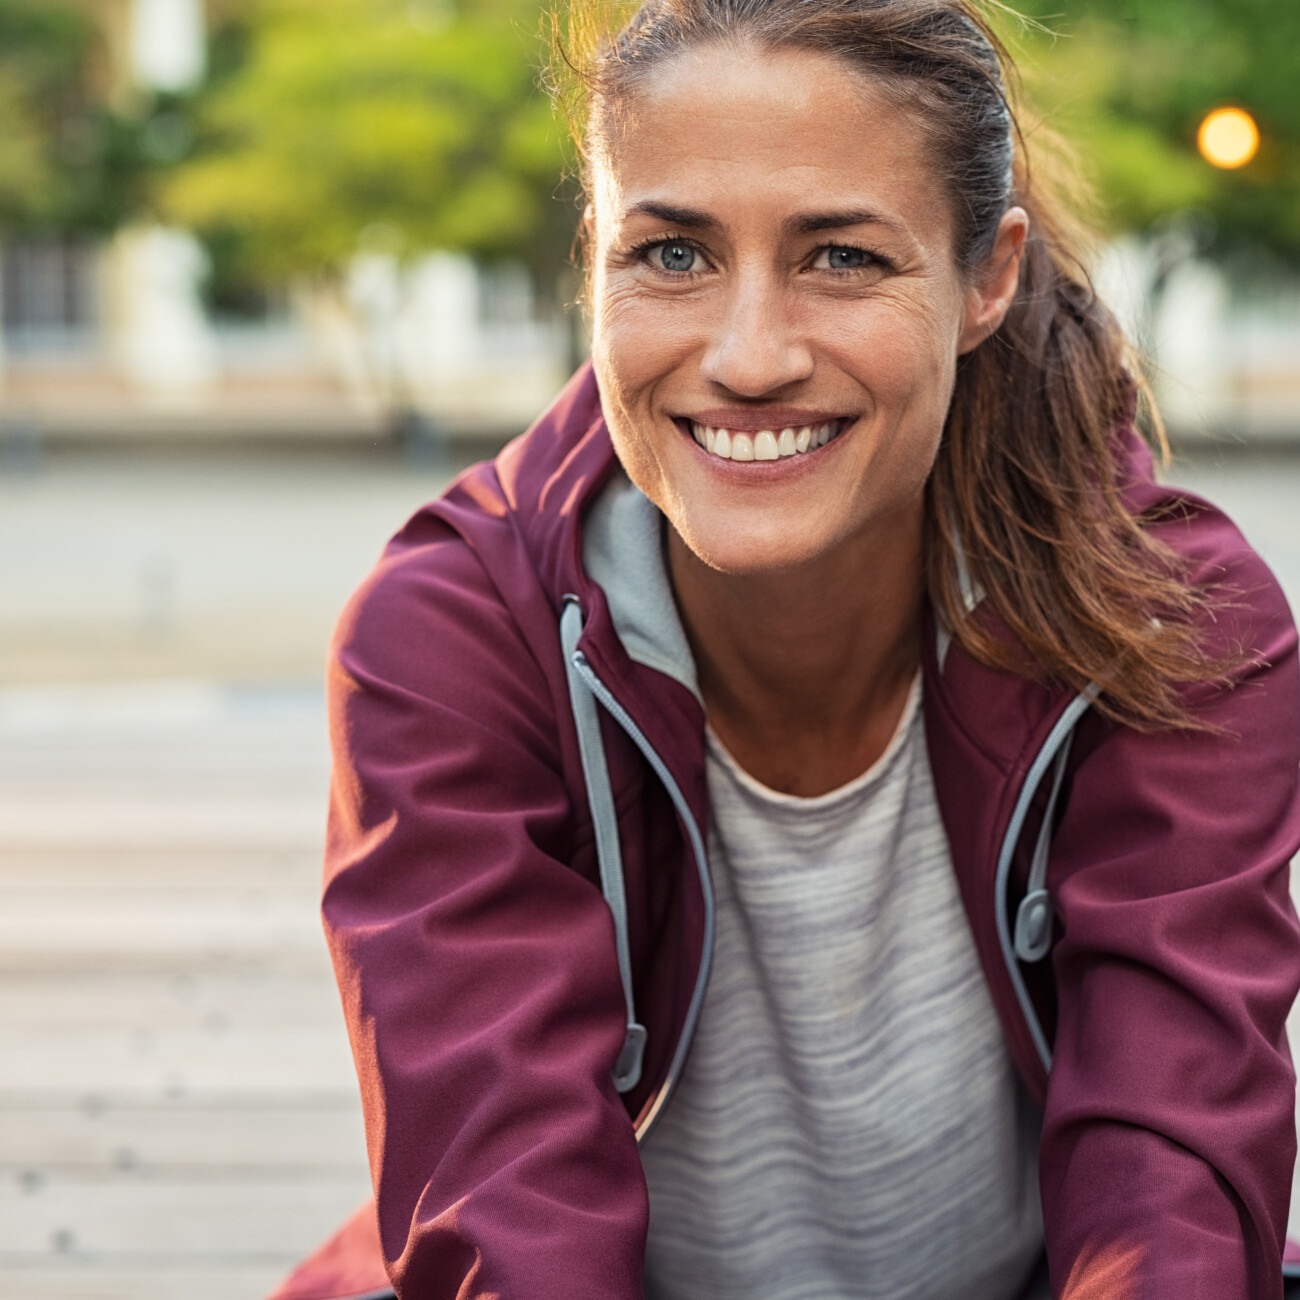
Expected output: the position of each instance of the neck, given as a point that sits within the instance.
(805, 672)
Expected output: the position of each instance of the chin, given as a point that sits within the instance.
(748, 552)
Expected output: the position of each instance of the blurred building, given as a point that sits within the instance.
(1225, 348)
(112, 339)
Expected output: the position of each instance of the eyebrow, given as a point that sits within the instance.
(674, 216)
(810, 222)
(806, 224)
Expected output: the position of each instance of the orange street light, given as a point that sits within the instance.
(1228, 137)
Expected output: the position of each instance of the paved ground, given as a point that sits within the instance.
(177, 1104)
(132, 565)
(178, 1112)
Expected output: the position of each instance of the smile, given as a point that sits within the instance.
(766, 444)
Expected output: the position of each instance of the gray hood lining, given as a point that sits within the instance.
(623, 552)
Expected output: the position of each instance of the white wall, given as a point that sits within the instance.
(163, 337)
(168, 44)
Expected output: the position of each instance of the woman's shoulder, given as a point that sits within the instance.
(1246, 609)
(477, 576)
(1193, 525)
(432, 619)
(1246, 615)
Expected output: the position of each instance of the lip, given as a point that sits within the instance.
(764, 472)
(739, 419)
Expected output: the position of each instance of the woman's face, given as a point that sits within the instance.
(773, 257)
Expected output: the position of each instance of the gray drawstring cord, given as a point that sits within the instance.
(604, 820)
(1033, 928)
(1034, 916)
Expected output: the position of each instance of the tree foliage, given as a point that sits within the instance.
(388, 123)
(1130, 80)
(70, 159)
(330, 124)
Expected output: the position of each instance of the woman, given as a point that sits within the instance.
(812, 817)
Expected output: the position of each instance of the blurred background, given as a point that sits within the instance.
(270, 272)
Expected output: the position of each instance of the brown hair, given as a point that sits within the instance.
(1024, 501)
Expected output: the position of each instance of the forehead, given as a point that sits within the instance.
(758, 131)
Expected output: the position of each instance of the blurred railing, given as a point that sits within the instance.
(111, 342)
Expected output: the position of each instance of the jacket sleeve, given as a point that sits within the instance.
(1169, 1129)
(476, 966)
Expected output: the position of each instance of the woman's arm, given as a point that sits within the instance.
(1169, 1133)
(476, 965)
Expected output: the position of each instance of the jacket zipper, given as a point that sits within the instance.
(1054, 748)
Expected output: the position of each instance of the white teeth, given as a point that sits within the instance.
(767, 444)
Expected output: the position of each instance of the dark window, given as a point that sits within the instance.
(50, 292)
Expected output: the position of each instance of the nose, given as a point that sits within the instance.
(755, 349)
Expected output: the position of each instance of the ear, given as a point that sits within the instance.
(996, 282)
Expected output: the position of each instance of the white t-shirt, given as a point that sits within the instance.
(849, 1123)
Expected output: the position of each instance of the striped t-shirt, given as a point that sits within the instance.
(848, 1124)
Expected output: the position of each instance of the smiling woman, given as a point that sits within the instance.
(812, 817)
(754, 283)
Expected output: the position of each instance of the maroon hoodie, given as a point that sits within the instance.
(476, 954)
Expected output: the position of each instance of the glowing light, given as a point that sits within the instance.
(1228, 137)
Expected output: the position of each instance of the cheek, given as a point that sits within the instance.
(639, 346)
(903, 354)
(638, 337)
(634, 350)
(905, 340)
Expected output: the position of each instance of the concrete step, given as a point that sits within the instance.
(66, 1277)
(70, 1001)
(250, 1136)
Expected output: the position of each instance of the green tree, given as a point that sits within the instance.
(69, 160)
(390, 122)
(330, 121)
(1130, 81)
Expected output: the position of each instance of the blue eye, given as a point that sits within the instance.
(846, 259)
(675, 256)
